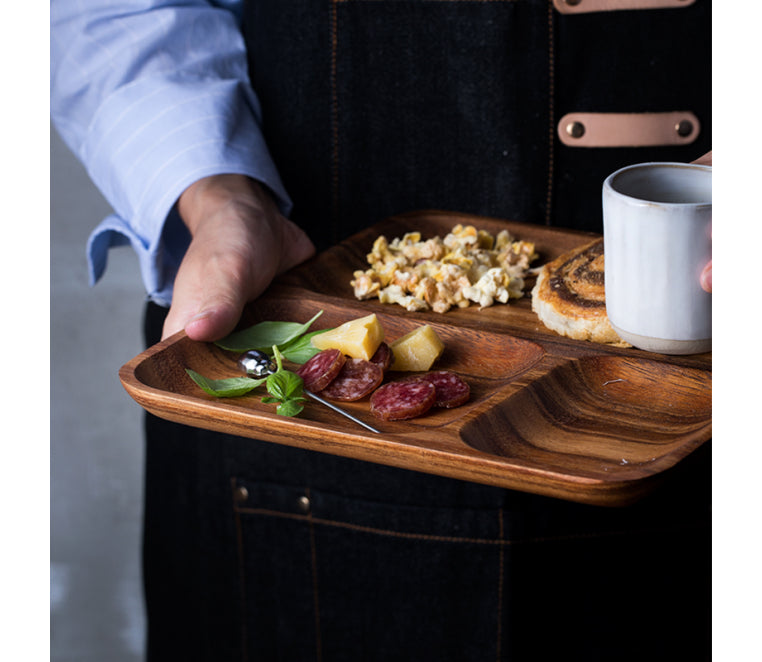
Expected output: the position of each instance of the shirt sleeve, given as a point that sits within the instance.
(152, 95)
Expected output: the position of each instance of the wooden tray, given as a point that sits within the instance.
(548, 415)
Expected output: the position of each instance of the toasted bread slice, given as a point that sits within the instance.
(569, 296)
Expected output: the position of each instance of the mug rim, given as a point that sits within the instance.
(653, 165)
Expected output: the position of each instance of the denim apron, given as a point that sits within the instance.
(256, 551)
(372, 108)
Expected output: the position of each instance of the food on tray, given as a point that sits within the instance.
(451, 390)
(337, 373)
(413, 396)
(402, 399)
(467, 265)
(569, 296)
(383, 356)
(417, 350)
(358, 338)
(321, 369)
(353, 379)
(358, 378)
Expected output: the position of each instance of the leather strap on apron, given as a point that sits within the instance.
(374, 107)
(585, 6)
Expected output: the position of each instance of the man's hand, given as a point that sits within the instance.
(239, 243)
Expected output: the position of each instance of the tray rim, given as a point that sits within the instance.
(365, 447)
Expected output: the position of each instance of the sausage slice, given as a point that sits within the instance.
(402, 399)
(451, 389)
(357, 379)
(319, 371)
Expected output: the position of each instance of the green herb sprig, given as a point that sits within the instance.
(286, 388)
(225, 388)
(283, 386)
(288, 340)
(291, 338)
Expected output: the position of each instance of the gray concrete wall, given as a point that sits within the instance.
(96, 441)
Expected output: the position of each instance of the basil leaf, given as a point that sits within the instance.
(225, 388)
(290, 407)
(284, 385)
(264, 335)
(294, 385)
(300, 350)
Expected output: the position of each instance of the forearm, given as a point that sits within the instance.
(152, 100)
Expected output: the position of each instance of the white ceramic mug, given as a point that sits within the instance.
(657, 221)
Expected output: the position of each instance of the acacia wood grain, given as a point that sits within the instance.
(548, 415)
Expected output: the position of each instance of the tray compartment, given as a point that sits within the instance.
(618, 410)
(489, 361)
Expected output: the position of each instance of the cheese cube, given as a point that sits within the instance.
(357, 338)
(417, 350)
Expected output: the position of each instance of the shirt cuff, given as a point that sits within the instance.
(158, 266)
(143, 159)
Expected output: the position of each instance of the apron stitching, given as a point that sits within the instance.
(551, 111)
(241, 575)
(334, 120)
(335, 108)
(315, 595)
(501, 555)
(454, 539)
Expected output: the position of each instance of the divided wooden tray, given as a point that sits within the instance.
(548, 415)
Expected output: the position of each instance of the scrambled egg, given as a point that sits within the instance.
(468, 265)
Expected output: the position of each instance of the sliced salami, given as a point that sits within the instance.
(321, 369)
(402, 399)
(383, 356)
(357, 379)
(451, 389)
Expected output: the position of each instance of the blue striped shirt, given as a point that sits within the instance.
(152, 95)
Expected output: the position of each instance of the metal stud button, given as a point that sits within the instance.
(241, 494)
(303, 503)
(575, 129)
(684, 128)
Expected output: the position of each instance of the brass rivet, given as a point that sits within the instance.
(575, 129)
(241, 494)
(684, 128)
(303, 503)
